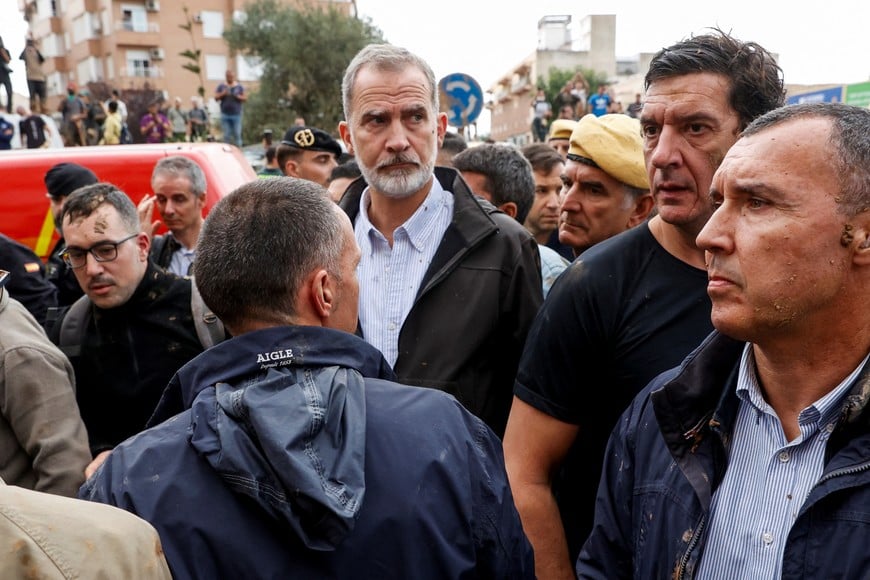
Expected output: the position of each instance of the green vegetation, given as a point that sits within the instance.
(303, 55)
(193, 55)
(557, 78)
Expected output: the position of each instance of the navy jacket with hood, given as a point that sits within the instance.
(299, 458)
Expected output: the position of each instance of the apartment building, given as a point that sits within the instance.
(135, 44)
(564, 43)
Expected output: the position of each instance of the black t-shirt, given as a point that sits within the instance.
(623, 312)
(33, 127)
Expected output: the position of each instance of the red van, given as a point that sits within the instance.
(24, 209)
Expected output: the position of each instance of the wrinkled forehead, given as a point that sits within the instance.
(683, 95)
(794, 156)
(381, 85)
(169, 182)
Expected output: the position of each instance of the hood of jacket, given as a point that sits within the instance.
(280, 415)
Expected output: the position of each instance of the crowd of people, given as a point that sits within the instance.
(573, 102)
(634, 349)
(85, 121)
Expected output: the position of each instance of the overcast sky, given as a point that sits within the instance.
(13, 29)
(828, 43)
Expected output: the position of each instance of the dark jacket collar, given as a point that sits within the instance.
(703, 389)
(699, 399)
(471, 224)
(251, 354)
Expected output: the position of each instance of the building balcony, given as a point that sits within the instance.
(127, 35)
(140, 76)
(47, 26)
(60, 63)
(521, 86)
(95, 46)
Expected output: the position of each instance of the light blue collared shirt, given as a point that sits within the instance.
(389, 277)
(552, 264)
(181, 261)
(767, 480)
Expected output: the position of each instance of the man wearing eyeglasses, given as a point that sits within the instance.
(138, 327)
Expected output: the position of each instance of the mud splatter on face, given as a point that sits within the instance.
(101, 224)
(847, 236)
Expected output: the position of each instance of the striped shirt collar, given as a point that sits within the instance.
(824, 411)
(419, 226)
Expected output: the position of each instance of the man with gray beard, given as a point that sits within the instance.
(449, 285)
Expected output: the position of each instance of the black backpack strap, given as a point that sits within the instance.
(158, 251)
(72, 327)
(209, 329)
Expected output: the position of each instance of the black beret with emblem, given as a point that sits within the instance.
(311, 139)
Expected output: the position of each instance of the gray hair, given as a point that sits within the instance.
(631, 195)
(384, 57)
(260, 242)
(181, 166)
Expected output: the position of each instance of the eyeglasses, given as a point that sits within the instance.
(102, 252)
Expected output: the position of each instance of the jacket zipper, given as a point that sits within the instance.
(693, 436)
(843, 471)
(681, 570)
(696, 537)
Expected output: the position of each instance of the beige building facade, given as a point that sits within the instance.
(563, 43)
(135, 44)
(566, 43)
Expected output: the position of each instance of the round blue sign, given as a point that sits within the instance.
(461, 99)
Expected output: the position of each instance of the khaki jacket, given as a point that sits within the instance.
(46, 536)
(43, 442)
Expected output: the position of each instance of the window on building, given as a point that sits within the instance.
(212, 24)
(86, 26)
(250, 68)
(215, 67)
(134, 18)
(55, 84)
(89, 70)
(52, 45)
(46, 8)
(80, 31)
(139, 64)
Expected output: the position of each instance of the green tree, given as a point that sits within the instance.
(193, 54)
(303, 54)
